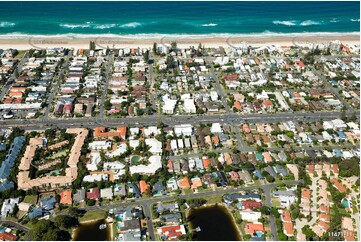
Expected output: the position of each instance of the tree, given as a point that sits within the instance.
(265, 210)
(65, 221)
(107, 105)
(40, 228)
(155, 48)
(135, 177)
(173, 45)
(90, 202)
(281, 236)
(343, 115)
(15, 210)
(146, 56)
(92, 45)
(170, 62)
(72, 211)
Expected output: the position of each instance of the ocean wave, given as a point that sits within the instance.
(130, 25)
(287, 23)
(75, 26)
(355, 20)
(92, 25)
(6, 24)
(309, 22)
(105, 26)
(209, 25)
(266, 33)
(334, 20)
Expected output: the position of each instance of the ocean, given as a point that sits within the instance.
(147, 19)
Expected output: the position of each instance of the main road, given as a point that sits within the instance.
(231, 118)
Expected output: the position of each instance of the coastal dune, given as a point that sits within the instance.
(44, 42)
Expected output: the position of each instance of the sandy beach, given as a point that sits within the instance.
(23, 43)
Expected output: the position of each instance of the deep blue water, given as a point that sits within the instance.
(191, 18)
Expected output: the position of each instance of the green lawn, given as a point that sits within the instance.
(115, 229)
(32, 199)
(213, 199)
(21, 53)
(58, 154)
(187, 191)
(276, 203)
(92, 215)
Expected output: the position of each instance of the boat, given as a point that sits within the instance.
(102, 226)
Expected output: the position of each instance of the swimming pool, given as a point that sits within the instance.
(345, 203)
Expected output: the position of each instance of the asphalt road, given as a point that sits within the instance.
(19, 67)
(109, 64)
(55, 88)
(231, 118)
(15, 225)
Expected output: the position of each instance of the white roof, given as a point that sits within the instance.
(94, 161)
(155, 145)
(121, 149)
(134, 143)
(155, 162)
(216, 128)
(95, 177)
(151, 130)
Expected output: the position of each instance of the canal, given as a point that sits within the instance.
(90, 231)
(215, 223)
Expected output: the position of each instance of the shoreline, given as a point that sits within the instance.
(217, 204)
(83, 222)
(183, 41)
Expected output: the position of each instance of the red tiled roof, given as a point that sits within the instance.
(251, 228)
(93, 193)
(65, 197)
(251, 204)
(338, 185)
(172, 231)
(143, 186)
(5, 236)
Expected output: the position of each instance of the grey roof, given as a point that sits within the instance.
(79, 195)
(131, 224)
(6, 185)
(158, 188)
(284, 193)
(38, 212)
(10, 158)
(120, 190)
(311, 153)
(172, 217)
(166, 207)
(48, 203)
(237, 196)
(133, 235)
(106, 193)
(279, 169)
(136, 190)
(2, 147)
(127, 211)
(258, 174)
(222, 178)
(270, 170)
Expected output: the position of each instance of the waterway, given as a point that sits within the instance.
(90, 231)
(215, 223)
